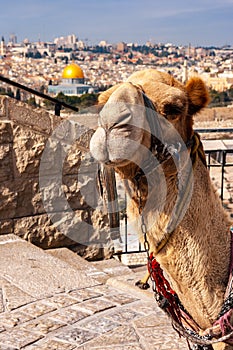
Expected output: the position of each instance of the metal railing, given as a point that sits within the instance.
(221, 159)
(217, 159)
(214, 130)
(57, 103)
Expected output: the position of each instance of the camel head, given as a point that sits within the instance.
(123, 136)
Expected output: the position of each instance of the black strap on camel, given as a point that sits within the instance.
(107, 188)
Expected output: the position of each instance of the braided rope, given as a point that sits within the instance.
(169, 302)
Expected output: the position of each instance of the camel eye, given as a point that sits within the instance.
(172, 117)
(173, 111)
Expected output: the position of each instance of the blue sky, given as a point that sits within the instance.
(200, 22)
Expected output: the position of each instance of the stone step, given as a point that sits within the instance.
(113, 267)
(31, 273)
(101, 270)
(111, 272)
(78, 263)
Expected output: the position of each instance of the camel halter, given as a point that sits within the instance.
(168, 152)
(166, 297)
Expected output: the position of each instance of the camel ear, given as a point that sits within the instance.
(104, 96)
(197, 94)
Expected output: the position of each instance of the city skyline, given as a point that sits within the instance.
(206, 23)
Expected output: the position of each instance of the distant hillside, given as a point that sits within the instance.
(217, 117)
(215, 114)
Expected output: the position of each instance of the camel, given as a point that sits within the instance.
(196, 252)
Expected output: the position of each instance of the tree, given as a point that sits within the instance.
(61, 97)
(18, 95)
(10, 92)
(32, 102)
(37, 55)
(2, 91)
(222, 98)
(42, 89)
(88, 100)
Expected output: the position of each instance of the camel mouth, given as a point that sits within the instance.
(117, 163)
(114, 151)
(113, 147)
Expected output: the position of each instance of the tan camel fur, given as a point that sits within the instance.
(196, 256)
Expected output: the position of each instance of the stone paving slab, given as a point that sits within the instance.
(78, 263)
(82, 315)
(112, 267)
(100, 270)
(136, 324)
(69, 315)
(12, 297)
(31, 269)
(126, 283)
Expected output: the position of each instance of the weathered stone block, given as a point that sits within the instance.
(88, 165)
(52, 159)
(21, 113)
(48, 192)
(76, 225)
(8, 201)
(84, 141)
(40, 231)
(70, 192)
(6, 162)
(74, 129)
(64, 229)
(82, 127)
(94, 252)
(28, 197)
(6, 226)
(4, 107)
(6, 133)
(28, 147)
(80, 191)
(53, 194)
(73, 159)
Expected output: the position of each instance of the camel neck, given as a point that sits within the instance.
(197, 256)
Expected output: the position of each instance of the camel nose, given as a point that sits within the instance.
(115, 115)
(98, 146)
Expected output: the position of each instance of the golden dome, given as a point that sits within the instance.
(72, 71)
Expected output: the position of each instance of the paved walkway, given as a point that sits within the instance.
(56, 300)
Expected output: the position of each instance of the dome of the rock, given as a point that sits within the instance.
(73, 82)
(72, 71)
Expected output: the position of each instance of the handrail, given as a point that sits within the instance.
(209, 130)
(58, 104)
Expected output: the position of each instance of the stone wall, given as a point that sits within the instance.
(49, 199)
